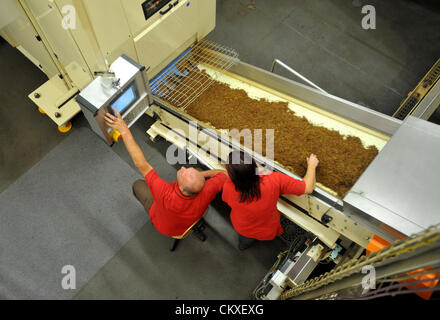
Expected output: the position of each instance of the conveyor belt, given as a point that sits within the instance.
(313, 114)
(374, 127)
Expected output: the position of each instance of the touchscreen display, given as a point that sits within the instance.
(125, 100)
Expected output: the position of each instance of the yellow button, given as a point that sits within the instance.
(116, 135)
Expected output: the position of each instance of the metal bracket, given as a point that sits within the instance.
(296, 73)
(335, 252)
(105, 74)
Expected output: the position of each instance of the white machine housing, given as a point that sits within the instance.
(127, 91)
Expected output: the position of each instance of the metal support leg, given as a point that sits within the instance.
(174, 244)
(198, 231)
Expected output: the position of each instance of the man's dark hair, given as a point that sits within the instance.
(242, 170)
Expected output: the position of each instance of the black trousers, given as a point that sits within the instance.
(245, 242)
(143, 194)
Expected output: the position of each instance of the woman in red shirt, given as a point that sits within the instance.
(253, 197)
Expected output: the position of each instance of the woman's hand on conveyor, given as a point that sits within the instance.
(117, 122)
(312, 161)
(310, 177)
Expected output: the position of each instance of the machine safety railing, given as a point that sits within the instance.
(185, 79)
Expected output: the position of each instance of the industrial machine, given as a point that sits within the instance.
(71, 40)
(124, 88)
(101, 54)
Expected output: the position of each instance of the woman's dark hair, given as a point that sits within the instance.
(242, 170)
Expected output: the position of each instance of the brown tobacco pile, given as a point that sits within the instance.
(341, 159)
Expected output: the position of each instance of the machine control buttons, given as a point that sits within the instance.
(116, 135)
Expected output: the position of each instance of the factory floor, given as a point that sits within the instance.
(323, 40)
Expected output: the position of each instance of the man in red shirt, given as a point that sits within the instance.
(172, 207)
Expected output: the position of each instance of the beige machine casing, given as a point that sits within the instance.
(71, 39)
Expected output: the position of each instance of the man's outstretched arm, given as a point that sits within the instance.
(132, 147)
(211, 173)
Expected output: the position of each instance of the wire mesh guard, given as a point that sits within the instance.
(182, 81)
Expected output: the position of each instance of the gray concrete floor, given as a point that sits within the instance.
(25, 135)
(324, 41)
(321, 39)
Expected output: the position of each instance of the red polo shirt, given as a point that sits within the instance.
(172, 213)
(260, 219)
